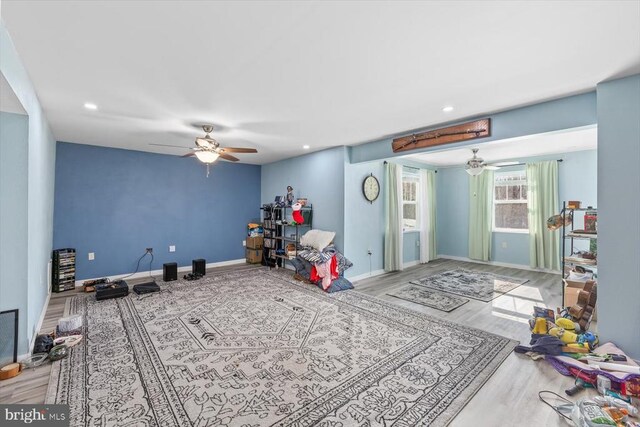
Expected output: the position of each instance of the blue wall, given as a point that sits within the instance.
(619, 213)
(577, 181)
(40, 183)
(14, 157)
(564, 113)
(320, 177)
(364, 221)
(116, 203)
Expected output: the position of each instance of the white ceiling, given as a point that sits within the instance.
(515, 148)
(9, 102)
(277, 75)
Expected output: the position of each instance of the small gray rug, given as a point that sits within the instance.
(430, 298)
(478, 285)
(260, 349)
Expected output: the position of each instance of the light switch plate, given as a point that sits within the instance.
(92, 256)
(172, 248)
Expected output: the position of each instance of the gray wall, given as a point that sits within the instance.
(619, 213)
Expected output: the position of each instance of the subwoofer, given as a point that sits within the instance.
(198, 266)
(170, 271)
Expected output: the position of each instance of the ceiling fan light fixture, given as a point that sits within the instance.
(205, 141)
(474, 170)
(207, 156)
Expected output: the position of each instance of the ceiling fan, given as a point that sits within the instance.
(476, 165)
(208, 150)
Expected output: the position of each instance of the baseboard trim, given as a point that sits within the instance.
(500, 264)
(363, 276)
(410, 264)
(45, 306)
(157, 272)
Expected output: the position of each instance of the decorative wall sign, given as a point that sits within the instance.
(448, 135)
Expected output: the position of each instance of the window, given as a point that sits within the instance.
(410, 191)
(510, 202)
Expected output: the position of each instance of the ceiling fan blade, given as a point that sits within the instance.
(491, 167)
(228, 157)
(174, 146)
(238, 150)
(189, 155)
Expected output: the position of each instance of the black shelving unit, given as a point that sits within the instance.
(63, 271)
(568, 237)
(279, 232)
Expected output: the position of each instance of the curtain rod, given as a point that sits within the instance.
(506, 166)
(411, 167)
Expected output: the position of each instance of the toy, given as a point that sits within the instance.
(565, 336)
(539, 326)
(297, 213)
(289, 195)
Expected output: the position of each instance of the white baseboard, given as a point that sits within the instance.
(379, 272)
(157, 272)
(500, 264)
(366, 275)
(36, 330)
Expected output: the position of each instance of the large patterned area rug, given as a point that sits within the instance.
(478, 285)
(257, 348)
(427, 297)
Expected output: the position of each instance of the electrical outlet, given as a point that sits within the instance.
(150, 250)
(504, 244)
(244, 243)
(172, 248)
(92, 256)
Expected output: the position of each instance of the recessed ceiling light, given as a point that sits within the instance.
(306, 147)
(90, 106)
(447, 109)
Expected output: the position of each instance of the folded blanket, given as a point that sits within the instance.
(320, 257)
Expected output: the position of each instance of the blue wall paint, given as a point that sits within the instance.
(619, 213)
(118, 202)
(452, 212)
(410, 248)
(364, 221)
(577, 181)
(317, 176)
(40, 183)
(14, 158)
(365, 224)
(563, 113)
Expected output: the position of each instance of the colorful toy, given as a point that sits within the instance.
(565, 336)
(297, 213)
(539, 326)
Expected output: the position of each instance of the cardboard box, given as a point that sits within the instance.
(572, 289)
(255, 242)
(254, 256)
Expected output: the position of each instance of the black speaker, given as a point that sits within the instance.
(170, 271)
(198, 266)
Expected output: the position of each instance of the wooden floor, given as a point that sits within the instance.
(509, 397)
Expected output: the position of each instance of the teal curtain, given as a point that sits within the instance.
(543, 202)
(428, 249)
(480, 215)
(393, 217)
